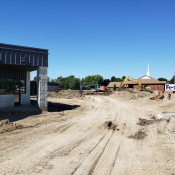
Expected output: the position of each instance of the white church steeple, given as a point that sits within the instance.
(148, 74)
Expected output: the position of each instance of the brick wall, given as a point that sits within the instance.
(154, 87)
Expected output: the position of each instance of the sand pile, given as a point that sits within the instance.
(68, 94)
(5, 126)
(132, 94)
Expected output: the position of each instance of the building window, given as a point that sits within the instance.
(16, 86)
(12, 80)
(22, 86)
(9, 86)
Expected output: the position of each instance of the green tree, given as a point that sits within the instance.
(77, 83)
(52, 80)
(162, 79)
(172, 81)
(94, 79)
(115, 79)
(118, 80)
(48, 79)
(123, 77)
(60, 82)
(35, 78)
(112, 78)
(69, 82)
(66, 83)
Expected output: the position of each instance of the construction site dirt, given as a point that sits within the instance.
(116, 134)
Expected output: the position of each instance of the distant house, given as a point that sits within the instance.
(145, 80)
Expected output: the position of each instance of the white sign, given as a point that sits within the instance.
(170, 87)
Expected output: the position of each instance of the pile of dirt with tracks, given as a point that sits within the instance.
(6, 126)
(68, 94)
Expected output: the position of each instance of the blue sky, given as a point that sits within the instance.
(89, 37)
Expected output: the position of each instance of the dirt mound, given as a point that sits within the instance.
(132, 94)
(5, 126)
(68, 94)
(52, 94)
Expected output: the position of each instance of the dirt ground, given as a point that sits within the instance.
(115, 134)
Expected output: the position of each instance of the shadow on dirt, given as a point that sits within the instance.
(59, 107)
(138, 136)
(15, 113)
(19, 112)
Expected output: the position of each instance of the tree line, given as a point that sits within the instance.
(72, 82)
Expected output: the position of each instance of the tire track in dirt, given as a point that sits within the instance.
(44, 147)
(60, 130)
(164, 152)
(97, 128)
(73, 142)
(123, 157)
(76, 156)
(41, 148)
(90, 162)
(66, 149)
(95, 156)
(37, 150)
(145, 148)
(63, 128)
(93, 130)
(107, 159)
(131, 158)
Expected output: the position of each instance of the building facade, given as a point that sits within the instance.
(16, 63)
